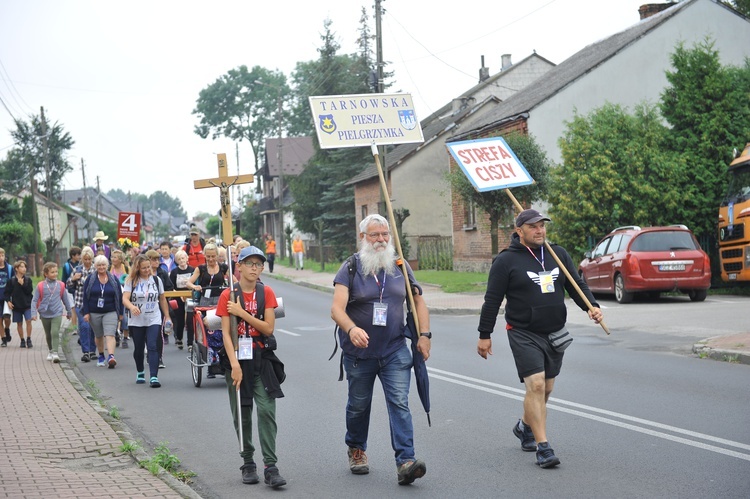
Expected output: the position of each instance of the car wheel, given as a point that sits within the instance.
(697, 294)
(621, 295)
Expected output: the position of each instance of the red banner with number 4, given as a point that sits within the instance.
(129, 225)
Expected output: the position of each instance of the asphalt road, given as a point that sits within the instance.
(633, 414)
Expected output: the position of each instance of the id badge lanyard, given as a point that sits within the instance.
(546, 281)
(380, 309)
(100, 301)
(245, 343)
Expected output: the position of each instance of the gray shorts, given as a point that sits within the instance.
(103, 324)
(533, 354)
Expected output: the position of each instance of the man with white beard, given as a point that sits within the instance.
(372, 332)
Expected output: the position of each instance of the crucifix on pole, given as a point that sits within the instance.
(223, 182)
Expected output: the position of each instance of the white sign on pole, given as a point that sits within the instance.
(365, 119)
(489, 164)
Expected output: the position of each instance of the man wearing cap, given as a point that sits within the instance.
(534, 286)
(253, 365)
(99, 244)
(194, 248)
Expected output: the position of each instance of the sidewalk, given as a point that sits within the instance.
(56, 441)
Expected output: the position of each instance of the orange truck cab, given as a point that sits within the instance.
(734, 221)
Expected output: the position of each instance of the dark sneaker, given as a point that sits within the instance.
(358, 461)
(545, 456)
(272, 477)
(250, 473)
(178, 343)
(111, 362)
(140, 378)
(161, 364)
(124, 343)
(23, 343)
(92, 356)
(4, 343)
(410, 471)
(154, 382)
(525, 435)
(85, 357)
(28, 343)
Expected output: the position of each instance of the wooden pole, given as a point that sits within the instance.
(560, 264)
(396, 241)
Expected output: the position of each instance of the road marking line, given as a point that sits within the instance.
(628, 426)
(287, 332)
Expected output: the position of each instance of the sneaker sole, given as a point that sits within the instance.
(360, 470)
(518, 434)
(549, 464)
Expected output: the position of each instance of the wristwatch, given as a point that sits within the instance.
(428, 335)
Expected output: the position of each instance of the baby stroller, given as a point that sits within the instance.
(208, 339)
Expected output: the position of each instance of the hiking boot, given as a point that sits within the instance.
(250, 473)
(28, 343)
(525, 435)
(124, 343)
(272, 477)
(545, 456)
(23, 343)
(410, 471)
(358, 461)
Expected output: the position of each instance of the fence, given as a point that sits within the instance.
(435, 252)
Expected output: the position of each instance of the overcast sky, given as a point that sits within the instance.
(123, 77)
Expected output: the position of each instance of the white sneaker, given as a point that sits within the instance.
(49, 355)
(55, 358)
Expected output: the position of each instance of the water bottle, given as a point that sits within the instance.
(168, 327)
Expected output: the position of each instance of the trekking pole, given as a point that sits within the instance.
(235, 341)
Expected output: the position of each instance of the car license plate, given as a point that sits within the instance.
(732, 277)
(672, 267)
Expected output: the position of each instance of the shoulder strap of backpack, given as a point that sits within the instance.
(40, 291)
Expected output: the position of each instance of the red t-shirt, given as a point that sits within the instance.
(195, 255)
(251, 306)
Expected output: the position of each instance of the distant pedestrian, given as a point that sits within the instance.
(143, 298)
(119, 268)
(298, 248)
(158, 271)
(51, 302)
(180, 277)
(75, 282)
(100, 244)
(166, 261)
(19, 292)
(270, 251)
(102, 309)
(74, 258)
(194, 247)
(6, 272)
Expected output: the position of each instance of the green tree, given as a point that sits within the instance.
(708, 109)
(742, 6)
(320, 192)
(10, 211)
(213, 225)
(26, 159)
(615, 172)
(497, 204)
(243, 105)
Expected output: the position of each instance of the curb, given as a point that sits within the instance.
(731, 356)
(118, 426)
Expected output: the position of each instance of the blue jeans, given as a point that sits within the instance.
(146, 337)
(394, 372)
(85, 334)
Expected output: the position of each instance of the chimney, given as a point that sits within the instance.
(649, 9)
(484, 73)
(506, 62)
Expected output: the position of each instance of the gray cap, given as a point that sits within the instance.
(530, 217)
(249, 251)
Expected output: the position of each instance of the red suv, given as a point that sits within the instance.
(653, 259)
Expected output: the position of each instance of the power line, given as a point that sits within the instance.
(12, 87)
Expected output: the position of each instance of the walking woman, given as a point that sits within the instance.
(209, 278)
(143, 297)
(75, 281)
(102, 309)
(120, 270)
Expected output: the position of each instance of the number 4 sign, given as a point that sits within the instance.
(129, 225)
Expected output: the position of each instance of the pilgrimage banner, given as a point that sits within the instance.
(489, 164)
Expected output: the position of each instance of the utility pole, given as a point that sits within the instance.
(281, 181)
(36, 224)
(381, 86)
(85, 202)
(50, 213)
(98, 197)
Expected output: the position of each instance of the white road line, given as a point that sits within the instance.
(286, 332)
(495, 390)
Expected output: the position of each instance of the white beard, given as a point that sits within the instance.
(374, 259)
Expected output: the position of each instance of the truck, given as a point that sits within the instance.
(734, 221)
